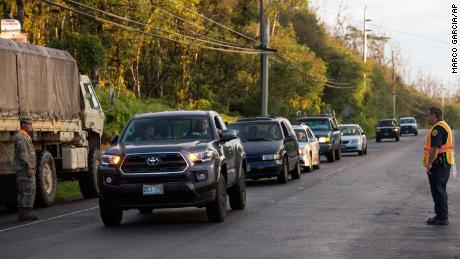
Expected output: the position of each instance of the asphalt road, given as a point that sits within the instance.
(359, 207)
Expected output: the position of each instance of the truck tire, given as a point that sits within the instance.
(338, 154)
(88, 180)
(110, 216)
(283, 177)
(237, 193)
(378, 140)
(330, 156)
(296, 172)
(46, 179)
(217, 209)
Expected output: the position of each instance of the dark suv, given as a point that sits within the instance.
(327, 132)
(271, 147)
(387, 128)
(171, 160)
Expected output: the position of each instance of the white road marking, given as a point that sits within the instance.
(45, 220)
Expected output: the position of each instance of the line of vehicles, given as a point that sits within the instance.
(194, 159)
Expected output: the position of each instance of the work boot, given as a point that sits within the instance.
(437, 221)
(27, 214)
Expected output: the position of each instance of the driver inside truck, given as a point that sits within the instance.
(150, 133)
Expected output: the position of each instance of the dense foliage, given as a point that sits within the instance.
(148, 74)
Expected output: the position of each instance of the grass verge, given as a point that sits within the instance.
(68, 190)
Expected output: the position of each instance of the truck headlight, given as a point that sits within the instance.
(324, 139)
(271, 157)
(202, 156)
(110, 160)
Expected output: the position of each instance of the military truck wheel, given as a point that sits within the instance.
(46, 179)
(88, 180)
(330, 156)
(110, 216)
(217, 209)
(237, 193)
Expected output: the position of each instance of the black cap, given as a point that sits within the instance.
(25, 120)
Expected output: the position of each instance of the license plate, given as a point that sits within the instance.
(386, 134)
(152, 189)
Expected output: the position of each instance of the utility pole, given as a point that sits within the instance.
(394, 83)
(264, 59)
(442, 98)
(365, 30)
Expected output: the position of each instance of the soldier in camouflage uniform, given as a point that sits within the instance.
(24, 162)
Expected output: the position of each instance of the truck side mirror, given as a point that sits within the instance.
(114, 140)
(229, 135)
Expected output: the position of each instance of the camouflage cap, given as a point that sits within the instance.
(25, 120)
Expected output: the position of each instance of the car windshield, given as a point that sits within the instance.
(160, 128)
(349, 130)
(407, 121)
(301, 135)
(257, 131)
(318, 124)
(386, 123)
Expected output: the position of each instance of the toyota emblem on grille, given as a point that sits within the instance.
(153, 161)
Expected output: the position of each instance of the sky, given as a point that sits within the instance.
(430, 20)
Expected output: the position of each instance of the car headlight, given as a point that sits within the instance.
(271, 157)
(324, 139)
(202, 156)
(110, 160)
(396, 129)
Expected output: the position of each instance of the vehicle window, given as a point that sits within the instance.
(310, 134)
(92, 99)
(350, 130)
(285, 130)
(407, 121)
(219, 124)
(257, 131)
(387, 123)
(318, 124)
(160, 128)
(301, 135)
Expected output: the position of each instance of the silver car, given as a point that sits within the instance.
(353, 139)
(308, 148)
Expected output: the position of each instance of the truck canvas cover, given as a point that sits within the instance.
(37, 81)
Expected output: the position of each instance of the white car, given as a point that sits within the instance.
(353, 139)
(408, 125)
(309, 153)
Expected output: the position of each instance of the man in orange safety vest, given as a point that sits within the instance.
(438, 159)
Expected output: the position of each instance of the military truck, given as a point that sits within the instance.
(45, 84)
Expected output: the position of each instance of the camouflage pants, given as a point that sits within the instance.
(26, 190)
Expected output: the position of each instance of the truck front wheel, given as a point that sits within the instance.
(88, 180)
(46, 179)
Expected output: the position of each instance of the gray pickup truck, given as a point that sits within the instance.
(171, 160)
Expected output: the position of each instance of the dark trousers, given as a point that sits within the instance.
(438, 183)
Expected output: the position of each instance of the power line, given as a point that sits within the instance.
(191, 23)
(212, 21)
(394, 30)
(327, 83)
(154, 27)
(125, 27)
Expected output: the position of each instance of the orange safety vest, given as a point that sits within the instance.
(25, 134)
(447, 148)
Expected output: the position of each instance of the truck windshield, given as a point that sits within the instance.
(388, 123)
(318, 124)
(161, 128)
(257, 131)
(406, 121)
(349, 130)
